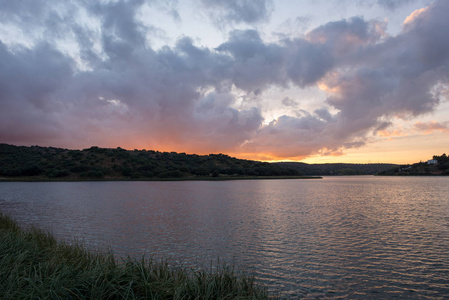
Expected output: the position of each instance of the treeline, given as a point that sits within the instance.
(337, 168)
(95, 162)
(440, 166)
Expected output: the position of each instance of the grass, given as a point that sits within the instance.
(34, 265)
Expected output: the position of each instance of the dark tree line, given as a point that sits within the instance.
(95, 162)
(337, 168)
(422, 168)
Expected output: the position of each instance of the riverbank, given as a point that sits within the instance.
(224, 178)
(33, 265)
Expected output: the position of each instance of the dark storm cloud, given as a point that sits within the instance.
(116, 90)
(239, 11)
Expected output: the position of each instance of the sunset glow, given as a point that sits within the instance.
(337, 81)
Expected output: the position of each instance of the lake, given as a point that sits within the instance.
(339, 237)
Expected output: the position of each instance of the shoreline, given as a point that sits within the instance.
(34, 264)
(41, 179)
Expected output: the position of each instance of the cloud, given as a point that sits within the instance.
(112, 89)
(293, 137)
(415, 15)
(130, 96)
(431, 126)
(347, 37)
(239, 11)
(373, 78)
(393, 4)
(287, 101)
(257, 65)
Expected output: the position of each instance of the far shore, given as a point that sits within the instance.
(227, 178)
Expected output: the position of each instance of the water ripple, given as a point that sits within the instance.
(336, 238)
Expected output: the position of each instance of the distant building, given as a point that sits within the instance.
(432, 162)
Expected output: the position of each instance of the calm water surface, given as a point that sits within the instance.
(339, 237)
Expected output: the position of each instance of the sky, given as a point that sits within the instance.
(317, 81)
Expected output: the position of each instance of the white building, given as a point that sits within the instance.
(432, 162)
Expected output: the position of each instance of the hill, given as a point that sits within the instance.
(439, 165)
(337, 168)
(20, 162)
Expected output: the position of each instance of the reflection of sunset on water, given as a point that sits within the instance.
(343, 236)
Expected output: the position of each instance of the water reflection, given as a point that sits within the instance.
(347, 237)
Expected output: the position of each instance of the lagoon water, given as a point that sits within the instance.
(339, 237)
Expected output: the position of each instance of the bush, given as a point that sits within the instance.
(80, 168)
(31, 170)
(170, 174)
(126, 171)
(58, 173)
(95, 174)
(443, 166)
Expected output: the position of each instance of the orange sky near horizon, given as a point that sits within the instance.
(269, 80)
(381, 151)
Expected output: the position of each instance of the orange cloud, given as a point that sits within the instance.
(415, 15)
(331, 83)
(331, 152)
(430, 127)
(390, 133)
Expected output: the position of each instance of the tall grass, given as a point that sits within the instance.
(34, 265)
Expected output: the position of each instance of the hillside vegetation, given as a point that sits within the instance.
(337, 168)
(441, 167)
(96, 163)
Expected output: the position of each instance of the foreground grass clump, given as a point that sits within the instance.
(33, 265)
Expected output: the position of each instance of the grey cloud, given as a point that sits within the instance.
(289, 102)
(324, 114)
(382, 126)
(373, 78)
(393, 4)
(131, 94)
(306, 63)
(235, 126)
(29, 80)
(239, 11)
(255, 64)
(432, 126)
(292, 137)
(344, 38)
(397, 76)
(390, 5)
(181, 96)
(121, 33)
(28, 12)
(394, 78)
(258, 65)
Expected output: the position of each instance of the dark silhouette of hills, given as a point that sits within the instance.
(20, 162)
(337, 168)
(439, 165)
(49, 162)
